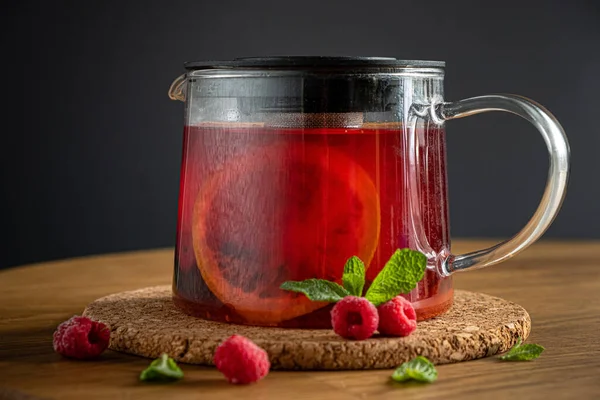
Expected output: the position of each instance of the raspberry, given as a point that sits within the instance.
(354, 318)
(241, 361)
(81, 338)
(397, 317)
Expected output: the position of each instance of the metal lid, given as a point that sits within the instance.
(291, 62)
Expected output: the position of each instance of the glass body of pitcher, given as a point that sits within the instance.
(291, 165)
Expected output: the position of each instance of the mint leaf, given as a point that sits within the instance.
(354, 276)
(419, 369)
(399, 275)
(523, 352)
(162, 369)
(317, 289)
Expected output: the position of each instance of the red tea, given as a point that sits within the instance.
(259, 206)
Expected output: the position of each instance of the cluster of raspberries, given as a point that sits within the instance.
(357, 318)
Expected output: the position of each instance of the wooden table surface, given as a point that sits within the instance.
(557, 282)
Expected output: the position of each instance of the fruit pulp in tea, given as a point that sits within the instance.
(259, 206)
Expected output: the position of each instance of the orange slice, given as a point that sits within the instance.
(277, 213)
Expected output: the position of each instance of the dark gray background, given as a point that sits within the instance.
(91, 144)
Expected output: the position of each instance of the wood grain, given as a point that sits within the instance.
(557, 282)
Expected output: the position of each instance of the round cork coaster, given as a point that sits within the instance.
(145, 322)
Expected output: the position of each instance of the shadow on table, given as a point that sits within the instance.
(10, 394)
(35, 346)
(190, 380)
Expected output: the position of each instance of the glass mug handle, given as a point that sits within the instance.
(558, 149)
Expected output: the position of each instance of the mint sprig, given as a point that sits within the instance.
(399, 275)
(163, 368)
(354, 276)
(418, 369)
(523, 352)
(317, 289)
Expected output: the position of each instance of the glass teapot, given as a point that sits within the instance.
(291, 165)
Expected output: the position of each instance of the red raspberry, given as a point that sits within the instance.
(241, 361)
(397, 317)
(81, 338)
(354, 318)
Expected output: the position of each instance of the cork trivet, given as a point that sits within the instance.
(145, 322)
